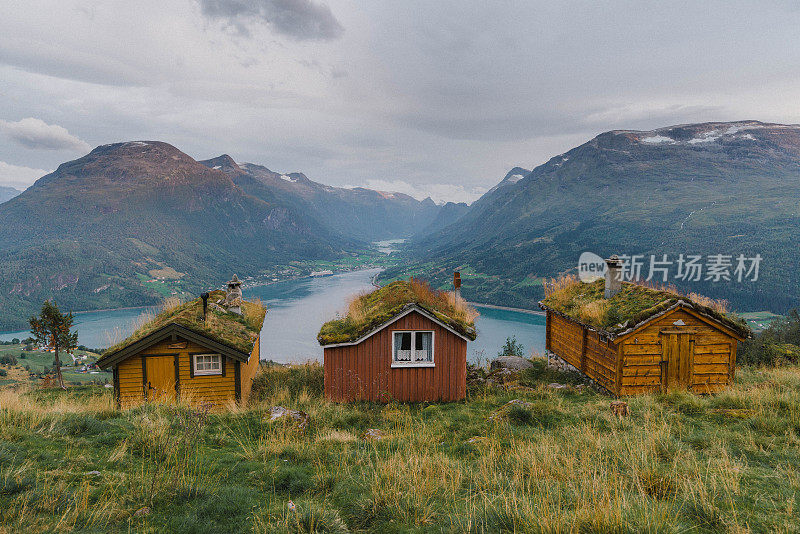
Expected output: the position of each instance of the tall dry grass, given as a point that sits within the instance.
(560, 284)
(116, 335)
(363, 305)
(679, 463)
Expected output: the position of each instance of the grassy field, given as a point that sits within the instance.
(37, 362)
(760, 320)
(69, 461)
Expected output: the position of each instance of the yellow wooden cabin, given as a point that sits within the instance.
(202, 352)
(634, 339)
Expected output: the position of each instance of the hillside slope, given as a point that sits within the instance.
(7, 193)
(94, 231)
(712, 188)
(357, 213)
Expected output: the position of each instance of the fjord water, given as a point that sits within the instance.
(297, 309)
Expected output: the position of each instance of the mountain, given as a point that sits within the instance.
(92, 233)
(713, 188)
(7, 193)
(357, 213)
(448, 214)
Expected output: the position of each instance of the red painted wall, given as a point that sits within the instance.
(364, 372)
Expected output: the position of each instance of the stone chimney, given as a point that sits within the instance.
(457, 286)
(613, 276)
(233, 296)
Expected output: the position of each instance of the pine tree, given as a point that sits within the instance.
(52, 328)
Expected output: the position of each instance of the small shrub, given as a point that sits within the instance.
(312, 519)
(512, 348)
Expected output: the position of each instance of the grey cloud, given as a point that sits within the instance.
(37, 134)
(17, 176)
(299, 19)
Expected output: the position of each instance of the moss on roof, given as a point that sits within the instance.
(237, 331)
(634, 304)
(369, 311)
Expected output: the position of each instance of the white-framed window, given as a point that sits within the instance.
(412, 348)
(207, 364)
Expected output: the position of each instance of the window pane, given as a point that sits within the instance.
(402, 346)
(424, 347)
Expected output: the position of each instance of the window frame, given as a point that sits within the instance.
(399, 364)
(206, 372)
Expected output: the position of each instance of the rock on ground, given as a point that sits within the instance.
(302, 419)
(374, 434)
(511, 362)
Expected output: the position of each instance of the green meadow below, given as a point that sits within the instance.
(19, 366)
(557, 460)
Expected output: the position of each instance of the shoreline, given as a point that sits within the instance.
(506, 308)
(478, 304)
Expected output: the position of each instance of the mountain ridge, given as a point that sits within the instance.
(358, 213)
(725, 187)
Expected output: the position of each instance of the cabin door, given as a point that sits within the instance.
(677, 358)
(160, 381)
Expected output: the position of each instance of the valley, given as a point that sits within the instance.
(700, 189)
(132, 223)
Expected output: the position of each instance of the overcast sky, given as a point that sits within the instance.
(431, 98)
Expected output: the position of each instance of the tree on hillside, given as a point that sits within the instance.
(52, 328)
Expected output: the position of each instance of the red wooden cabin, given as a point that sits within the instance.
(415, 355)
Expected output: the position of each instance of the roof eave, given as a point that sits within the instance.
(470, 336)
(615, 335)
(166, 331)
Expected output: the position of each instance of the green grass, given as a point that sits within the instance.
(368, 311)
(560, 463)
(37, 362)
(632, 305)
(238, 331)
(760, 320)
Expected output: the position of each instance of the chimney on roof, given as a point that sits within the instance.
(613, 276)
(233, 296)
(457, 286)
(205, 296)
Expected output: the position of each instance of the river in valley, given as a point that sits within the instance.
(297, 308)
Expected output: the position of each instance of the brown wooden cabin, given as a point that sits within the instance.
(180, 356)
(680, 345)
(416, 355)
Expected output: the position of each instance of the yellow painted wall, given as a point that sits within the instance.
(219, 390)
(130, 382)
(714, 356)
(248, 370)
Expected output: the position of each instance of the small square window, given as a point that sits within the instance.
(207, 364)
(412, 348)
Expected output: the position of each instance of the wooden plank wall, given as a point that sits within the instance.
(248, 370)
(641, 368)
(601, 361)
(219, 390)
(714, 356)
(363, 371)
(565, 339)
(597, 359)
(131, 391)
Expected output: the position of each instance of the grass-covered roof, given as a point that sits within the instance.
(237, 331)
(368, 311)
(634, 304)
